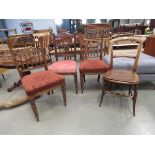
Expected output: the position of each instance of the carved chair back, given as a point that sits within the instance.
(65, 46)
(129, 53)
(28, 58)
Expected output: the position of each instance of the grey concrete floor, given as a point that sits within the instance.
(82, 114)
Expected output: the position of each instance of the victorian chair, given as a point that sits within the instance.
(123, 76)
(65, 47)
(91, 47)
(35, 84)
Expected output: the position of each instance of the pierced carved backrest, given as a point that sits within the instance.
(22, 40)
(91, 49)
(28, 58)
(97, 31)
(133, 53)
(65, 45)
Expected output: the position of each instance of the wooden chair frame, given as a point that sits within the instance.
(29, 59)
(108, 80)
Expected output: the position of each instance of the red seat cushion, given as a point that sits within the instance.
(36, 82)
(64, 67)
(93, 66)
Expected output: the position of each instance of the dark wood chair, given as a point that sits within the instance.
(35, 84)
(92, 49)
(65, 47)
(122, 76)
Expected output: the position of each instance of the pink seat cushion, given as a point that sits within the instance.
(93, 66)
(37, 82)
(64, 67)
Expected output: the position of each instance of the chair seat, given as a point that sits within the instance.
(37, 82)
(121, 76)
(93, 66)
(64, 67)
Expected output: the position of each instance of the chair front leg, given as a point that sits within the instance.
(98, 78)
(34, 109)
(134, 98)
(81, 82)
(64, 93)
(76, 83)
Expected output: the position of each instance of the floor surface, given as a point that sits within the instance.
(82, 114)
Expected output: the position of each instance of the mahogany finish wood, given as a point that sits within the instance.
(29, 59)
(65, 46)
(121, 76)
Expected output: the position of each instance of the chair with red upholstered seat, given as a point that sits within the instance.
(92, 45)
(65, 47)
(36, 84)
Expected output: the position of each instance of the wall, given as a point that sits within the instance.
(37, 24)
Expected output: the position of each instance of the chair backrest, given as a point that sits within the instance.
(129, 53)
(22, 40)
(91, 48)
(97, 30)
(28, 58)
(65, 46)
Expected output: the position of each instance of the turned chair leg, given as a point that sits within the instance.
(81, 82)
(134, 98)
(76, 83)
(84, 78)
(64, 93)
(98, 78)
(34, 109)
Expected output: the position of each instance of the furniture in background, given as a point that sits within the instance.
(128, 25)
(122, 76)
(36, 84)
(75, 25)
(65, 47)
(93, 43)
(7, 32)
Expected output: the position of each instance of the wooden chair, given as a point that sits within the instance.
(36, 84)
(91, 46)
(65, 47)
(122, 76)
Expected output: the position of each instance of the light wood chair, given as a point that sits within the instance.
(122, 76)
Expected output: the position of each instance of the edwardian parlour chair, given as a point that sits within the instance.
(65, 47)
(36, 84)
(123, 76)
(92, 49)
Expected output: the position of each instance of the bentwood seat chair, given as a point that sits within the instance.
(123, 76)
(36, 84)
(65, 47)
(91, 47)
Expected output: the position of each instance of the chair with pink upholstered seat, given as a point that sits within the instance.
(36, 84)
(93, 43)
(65, 47)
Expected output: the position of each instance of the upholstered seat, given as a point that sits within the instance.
(64, 67)
(93, 66)
(37, 82)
